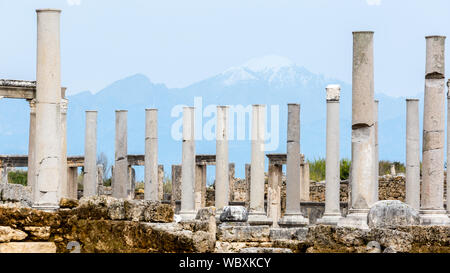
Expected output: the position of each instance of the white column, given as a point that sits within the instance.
(121, 183)
(257, 214)
(64, 189)
(151, 155)
(293, 215)
(363, 132)
(332, 213)
(448, 148)
(187, 210)
(376, 164)
(222, 164)
(412, 153)
(48, 112)
(432, 198)
(90, 181)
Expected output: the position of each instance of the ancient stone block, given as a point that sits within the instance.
(242, 233)
(234, 214)
(8, 234)
(391, 214)
(38, 233)
(66, 203)
(28, 247)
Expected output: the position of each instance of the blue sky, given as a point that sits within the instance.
(179, 42)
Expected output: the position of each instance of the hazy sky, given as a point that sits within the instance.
(179, 42)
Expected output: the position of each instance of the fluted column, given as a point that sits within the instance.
(363, 132)
(293, 215)
(332, 213)
(48, 112)
(257, 213)
(90, 180)
(32, 149)
(432, 198)
(222, 164)
(412, 153)
(151, 155)
(187, 210)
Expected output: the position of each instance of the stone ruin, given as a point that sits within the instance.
(263, 213)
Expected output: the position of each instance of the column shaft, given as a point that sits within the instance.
(412, 154)
(274, 194)
(151, 155)
(188, 165)
(48, 117)
(222, 164)
(121, 181)
(90, 180)
(32, 150)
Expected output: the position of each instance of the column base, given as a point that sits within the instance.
(329, 219)
(257, 218)
(355, 220)
(46, 208)
(187, 215)
(434, 217)
(293, 220)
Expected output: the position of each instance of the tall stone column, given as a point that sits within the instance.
(32, 149)
(376, 164)
(187, 210)
(293, 215)
(64, 188)
(72, 178)
(448, 148)
(412, 153)
(151, 155)
(248, 182)
(332, 213)
(432, 210)
(121, 187)
(305, 181)
(90, 180)
(176, 184)
(222, 164)
(100, 190)
(257, 214)
(48, 112)
(160, 182)
(363, 132)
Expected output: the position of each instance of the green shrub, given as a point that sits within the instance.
(345, 169)
(317, 169)
(18, 177)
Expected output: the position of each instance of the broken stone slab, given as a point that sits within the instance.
(7, 234)
(265, 250)
(242, 232)
(234, 214)
(28, 247)
(299, 234)
(38, 233)
(392, 214)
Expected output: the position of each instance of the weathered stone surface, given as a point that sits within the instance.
(21, 217)
(28, 247)
(299, 234)
(8, 234)
(242, 233)
(15, 193)
(156, 212)
(66, 203)
(38, 233)
(205, 214)
(234, 214)
(265, 250)
(391, 214)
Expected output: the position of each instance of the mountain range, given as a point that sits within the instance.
(270, 80)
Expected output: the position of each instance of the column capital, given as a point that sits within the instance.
(333, 92)
(64, 106)
(32, 106)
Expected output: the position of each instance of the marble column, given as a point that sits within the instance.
(231, 177)
(131, 182)
(100, 190)
(448, 148)
(120, 185)
(257, 214)
(412, 153)
(72, 181)
(160, 182)
(48, 112)
(376, 164)
(274, 193)
(32, 148)
(64, 188)
(248, 181)
(332, 213)
(222, 163)
(187, 210)
(305, 181)
(90, 180)
(151, 155)
(432, 210)
(363, 132)
(293, 215)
